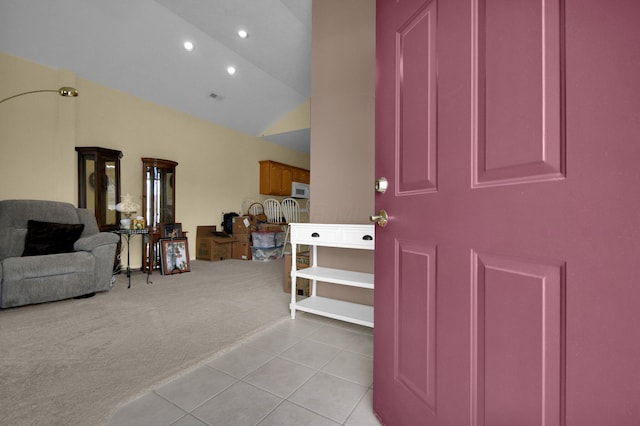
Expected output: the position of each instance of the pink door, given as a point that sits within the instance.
(508, 277)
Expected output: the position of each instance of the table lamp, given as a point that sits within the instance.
(127, 207)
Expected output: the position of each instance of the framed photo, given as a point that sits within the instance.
(174, 254)
(171, 230)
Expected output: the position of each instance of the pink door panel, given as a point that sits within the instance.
(517, 99)
(518, 340)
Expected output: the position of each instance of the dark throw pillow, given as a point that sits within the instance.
(50, 238)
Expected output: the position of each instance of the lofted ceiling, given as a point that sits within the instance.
(137, 47)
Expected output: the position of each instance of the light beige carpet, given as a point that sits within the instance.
(75, 362)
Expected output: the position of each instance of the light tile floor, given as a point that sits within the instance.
(309, 371)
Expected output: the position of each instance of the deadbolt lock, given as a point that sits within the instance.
(382, 185)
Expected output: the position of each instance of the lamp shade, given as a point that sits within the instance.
(127, 205)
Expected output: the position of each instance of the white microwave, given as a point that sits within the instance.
(300, 190)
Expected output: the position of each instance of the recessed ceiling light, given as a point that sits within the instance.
(243, 34)
(189, 46)
(231, 70)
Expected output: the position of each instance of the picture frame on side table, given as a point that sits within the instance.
(172, 230)
(174, 254)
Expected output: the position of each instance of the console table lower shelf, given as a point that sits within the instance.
(336, 309)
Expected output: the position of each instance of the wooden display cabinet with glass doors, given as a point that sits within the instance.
(99, 184)
(158, 204)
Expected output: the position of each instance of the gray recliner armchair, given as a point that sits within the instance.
(28, 276)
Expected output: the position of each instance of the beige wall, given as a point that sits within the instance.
(342, 127)
(37, 133)
(299, 118)
(218, 167)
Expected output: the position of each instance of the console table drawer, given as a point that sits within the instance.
(312, 236)
(352, 236)
(360, 238)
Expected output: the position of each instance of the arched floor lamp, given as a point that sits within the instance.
(66, 91)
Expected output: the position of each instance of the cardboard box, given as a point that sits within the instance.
(244, 225)
(302, 284)
(214, 248)
(205, 231)
(243, 238)
(241, 250)
(302, 260)
(270, 227)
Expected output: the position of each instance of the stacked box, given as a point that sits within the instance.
(267, 239)
(302, 261)
(213, 248)
(243, 225)
(241, 249)
(205, 231)
(273, 227)
(264, 254)
(212, 245)
(243, 238)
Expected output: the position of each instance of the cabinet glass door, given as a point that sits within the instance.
(99, 184)
(159, 192)
(110, 213)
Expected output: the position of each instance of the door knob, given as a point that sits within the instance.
(381, 218)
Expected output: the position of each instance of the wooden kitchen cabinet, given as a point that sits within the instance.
(276, 178)
(301, 175)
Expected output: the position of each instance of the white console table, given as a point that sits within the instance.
(331, 235)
